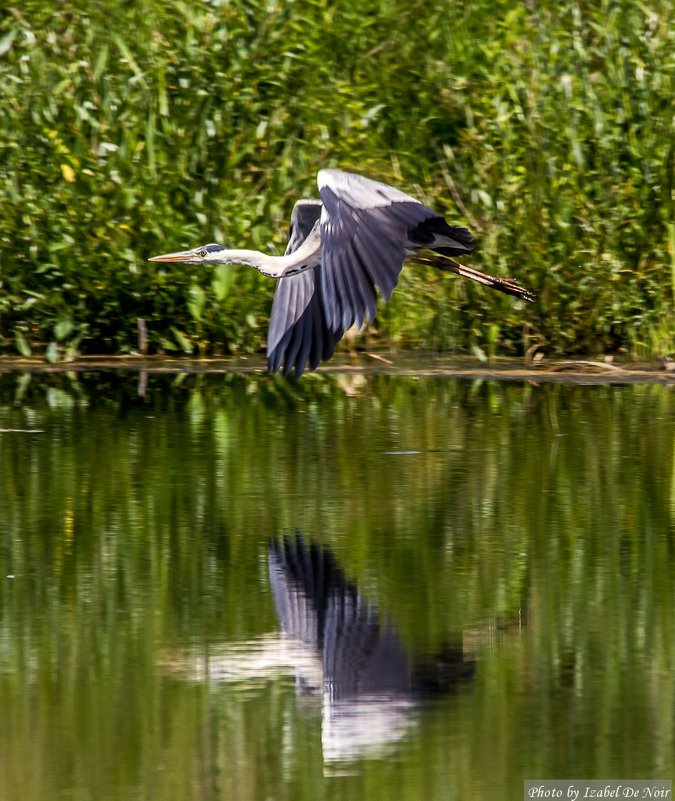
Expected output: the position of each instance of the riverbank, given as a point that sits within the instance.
(579, 371)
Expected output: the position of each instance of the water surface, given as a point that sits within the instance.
(234, 587)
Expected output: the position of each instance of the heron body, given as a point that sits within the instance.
(342, 250)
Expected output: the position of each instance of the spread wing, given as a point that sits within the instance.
(298, 333)
(365, 227)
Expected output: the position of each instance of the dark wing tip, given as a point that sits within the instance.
(299, 337)
(435, 234)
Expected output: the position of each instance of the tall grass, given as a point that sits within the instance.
(546, 128)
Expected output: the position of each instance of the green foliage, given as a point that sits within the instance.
(547, 129)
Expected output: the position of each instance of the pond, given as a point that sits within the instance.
(358, 587)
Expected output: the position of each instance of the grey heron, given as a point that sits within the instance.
(341, 249)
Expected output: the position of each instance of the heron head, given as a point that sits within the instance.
(199, 255)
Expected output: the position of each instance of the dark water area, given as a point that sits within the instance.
(232, 587)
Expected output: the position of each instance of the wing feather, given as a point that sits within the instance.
(337, 311)
(294, 346)
(375, 254)
(364, 231)
(351, 307)
(297, 331)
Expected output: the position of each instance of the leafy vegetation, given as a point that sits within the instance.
(547, 128)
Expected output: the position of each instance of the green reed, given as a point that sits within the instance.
(547, 129)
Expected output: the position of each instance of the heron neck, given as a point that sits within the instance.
(251, 258)
(304, 258)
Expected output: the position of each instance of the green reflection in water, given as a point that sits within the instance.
(537, 523)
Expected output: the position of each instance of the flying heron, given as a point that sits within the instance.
(340, 249)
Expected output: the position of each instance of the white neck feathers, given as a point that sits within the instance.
(307, 256)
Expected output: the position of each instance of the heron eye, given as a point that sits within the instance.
(203, 253)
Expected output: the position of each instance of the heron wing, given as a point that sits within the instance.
(365, 228)
(296, 590)
(298, 334)
(317, 604)
(305, 213)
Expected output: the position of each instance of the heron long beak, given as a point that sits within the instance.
(180, 256)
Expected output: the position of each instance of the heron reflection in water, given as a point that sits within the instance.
(342, 250)
(344, 656)
(370, 685)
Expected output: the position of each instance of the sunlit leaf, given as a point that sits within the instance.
(479, 353)
(22, 344)
(6, 41)
(222, 281)
(197, 299)
(63, 328)
(68, 173)
(52, 352)
(183, 340)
